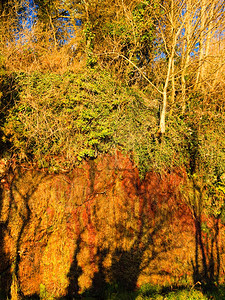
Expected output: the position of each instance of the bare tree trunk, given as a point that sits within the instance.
(173, 92)
(201, 44)
(172, 63)
(186, 52)
(53, 31)
(162, 125)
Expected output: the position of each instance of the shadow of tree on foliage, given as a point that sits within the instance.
(207, 262)
(9, 95)
(73, 275)
(21, 211)
(5, 276)
(127, 263)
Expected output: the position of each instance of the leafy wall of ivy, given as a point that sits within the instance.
(57, 120)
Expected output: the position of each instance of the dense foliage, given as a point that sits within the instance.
(75, 116)
(57, 120)
(84, 79)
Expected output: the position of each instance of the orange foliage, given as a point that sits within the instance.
(99, 223)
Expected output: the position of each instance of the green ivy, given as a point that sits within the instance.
(77, 116)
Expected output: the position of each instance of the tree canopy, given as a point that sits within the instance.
(145, 78)
(163, 61)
